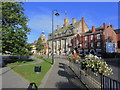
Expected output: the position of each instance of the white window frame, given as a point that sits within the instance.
(86, 38)
(86, 44)
(91, 37)
(98, 44)
(80, 45)
(98, 36)
(92, 44)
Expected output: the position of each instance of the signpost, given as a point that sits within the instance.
(110, 47)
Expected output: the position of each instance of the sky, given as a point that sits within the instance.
(94, 13)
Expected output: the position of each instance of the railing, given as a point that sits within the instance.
(91, 80)
(110, 83)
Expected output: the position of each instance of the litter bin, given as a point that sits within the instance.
(37, 68)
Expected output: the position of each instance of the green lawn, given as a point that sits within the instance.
(28, 73)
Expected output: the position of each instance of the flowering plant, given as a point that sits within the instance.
(74, 57)
(96, 64)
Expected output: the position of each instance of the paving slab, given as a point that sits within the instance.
(11, 79)
(58, 77)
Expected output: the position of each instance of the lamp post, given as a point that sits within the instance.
(56, 14)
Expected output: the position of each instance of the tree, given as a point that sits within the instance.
(14, 29)
(39, 45)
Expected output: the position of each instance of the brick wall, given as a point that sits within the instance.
(118, 37)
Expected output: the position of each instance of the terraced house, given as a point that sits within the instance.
(98, 41)
(62, 36)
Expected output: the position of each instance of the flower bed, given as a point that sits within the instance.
(97, 65)
(94, 63)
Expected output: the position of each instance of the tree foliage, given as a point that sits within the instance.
(14, 29)
(39, 45)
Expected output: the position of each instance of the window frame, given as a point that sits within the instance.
(98, 44)
(98, 36)
(91, 37)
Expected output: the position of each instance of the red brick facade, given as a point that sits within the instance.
(94, 41)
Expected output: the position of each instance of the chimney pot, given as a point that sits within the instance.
(101, 26)
(83, 25)
(93, 29)
(73, 21)
(82, 18)
(58, 27)
(65, 22)
(105, 25)
(111, 26)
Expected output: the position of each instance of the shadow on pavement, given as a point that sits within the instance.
(64, 74)
(73, 81)
(61, 64)
(61, 67)
(62, 85)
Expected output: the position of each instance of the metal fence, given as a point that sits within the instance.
(91, 80)
(110, 83)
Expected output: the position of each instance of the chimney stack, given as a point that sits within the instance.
(93, 29)
(73, 21)
(101, 26)
(35, 41)
(104, 26)
(111, 26)
(83, 31)
(65, 22)
(58, 27)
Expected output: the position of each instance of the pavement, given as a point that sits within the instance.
(60, 76)
(11, 79)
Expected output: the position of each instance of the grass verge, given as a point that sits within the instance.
(28, 73)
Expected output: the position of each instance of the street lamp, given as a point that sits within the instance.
(56, 14)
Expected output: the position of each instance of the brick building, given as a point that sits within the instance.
(34, 48)
(44, 41)
(95, 41)
(62, 36)
(117, 31)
